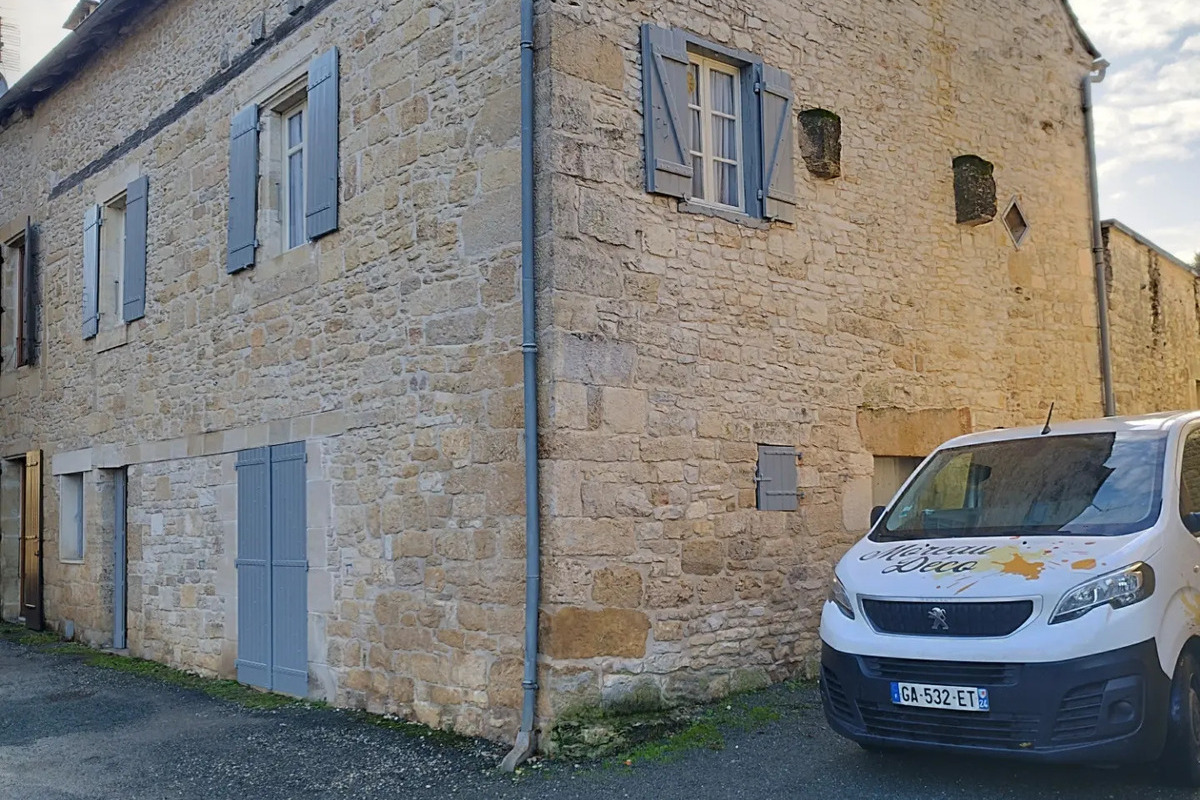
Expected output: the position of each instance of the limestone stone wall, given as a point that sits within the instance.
(1154, 318)
(680, 341)
(391, 346)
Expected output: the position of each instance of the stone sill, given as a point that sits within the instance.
(112, 338)
(736, 217)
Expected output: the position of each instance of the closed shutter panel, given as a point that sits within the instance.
(243, 189)
(776, 478)
(289, 571)
(778, 169)
(91, 272)
(253, 567)
(136, 222)
(31, 543)
(666, 120)
(28, 300)
(321, 193)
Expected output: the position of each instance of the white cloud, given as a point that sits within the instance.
(1127, 26)
(40, 25)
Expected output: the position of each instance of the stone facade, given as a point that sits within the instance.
(1154, 317)
(674, 342)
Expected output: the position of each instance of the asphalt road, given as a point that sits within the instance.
(69, 731)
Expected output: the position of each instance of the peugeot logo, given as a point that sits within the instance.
(938, 615)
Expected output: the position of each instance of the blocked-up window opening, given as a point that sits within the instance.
(974, 190)
(776, 478)
(112, 263)
(821, 142)
(890, 474)
(12, 257)
(70, 517)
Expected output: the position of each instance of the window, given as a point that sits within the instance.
(70, 517)
(715, 106)
(12, 305)
(294, 169)
(283, 162)
(112, 262)
(1189, 476)
(718, 127)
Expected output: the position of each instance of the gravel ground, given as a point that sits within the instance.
(73, 731)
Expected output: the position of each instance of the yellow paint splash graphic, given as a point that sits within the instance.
(1191, 601)
(1087, 563)
(1014, 561)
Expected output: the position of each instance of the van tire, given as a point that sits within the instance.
(1181, 755)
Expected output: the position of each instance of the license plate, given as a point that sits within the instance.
(954, 698)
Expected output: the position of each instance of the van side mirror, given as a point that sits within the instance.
(1192, 522)
(877, 512)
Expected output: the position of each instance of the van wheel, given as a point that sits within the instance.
(1181, 756)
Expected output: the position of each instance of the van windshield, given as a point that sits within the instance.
(1096, 484)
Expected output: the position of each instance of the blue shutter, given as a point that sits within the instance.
(253, 567)
(133, 284)
(667, 123)
(243, 189)
(776, 478)
(28, 299)
(289, 571)
(778, 169)
(91, 272)
(321, 192)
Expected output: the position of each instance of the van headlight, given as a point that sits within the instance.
(1117, 589)
(840, 597)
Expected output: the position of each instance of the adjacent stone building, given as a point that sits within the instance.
(265, 380)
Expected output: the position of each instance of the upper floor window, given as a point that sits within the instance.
(112, 262)
(715, 106)
(18, 300)
(292, 191)
(718, 127)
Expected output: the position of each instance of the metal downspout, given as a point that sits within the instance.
(1106, 375)
(526, 743)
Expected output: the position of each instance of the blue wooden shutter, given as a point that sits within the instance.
(243, 189)
(289, 571)
(667, 123)
(91, 272)
(28, 299)
(254, 567)
(778, 170)
(321, 192)
(776, 478)
(133, 284)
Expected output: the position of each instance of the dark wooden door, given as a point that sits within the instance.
(31, 541)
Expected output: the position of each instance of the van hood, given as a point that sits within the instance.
(987, 567)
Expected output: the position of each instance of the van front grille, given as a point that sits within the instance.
(947, 619)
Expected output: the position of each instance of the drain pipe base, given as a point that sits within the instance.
(524, 747)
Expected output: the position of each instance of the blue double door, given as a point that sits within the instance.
(272, 569)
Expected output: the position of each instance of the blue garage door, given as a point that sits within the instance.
(273, 569)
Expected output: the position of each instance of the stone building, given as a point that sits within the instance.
(262, 365)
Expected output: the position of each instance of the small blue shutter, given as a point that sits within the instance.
(136, 219)
(667, 123)
(778, 169)
(253, 567)
(91, 272)
(321, 193)
(776, 478)
(289, 570)
(243, 189)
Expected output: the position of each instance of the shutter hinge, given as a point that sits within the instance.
(758, 87)
(257, 243)
(760, 194)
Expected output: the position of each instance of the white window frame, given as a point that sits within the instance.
(286, 112)
(110, 282)
(706, 67)
(72, 521)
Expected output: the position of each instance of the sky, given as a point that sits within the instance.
(1147, 108)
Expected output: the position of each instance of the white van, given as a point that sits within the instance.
(1031, 593)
